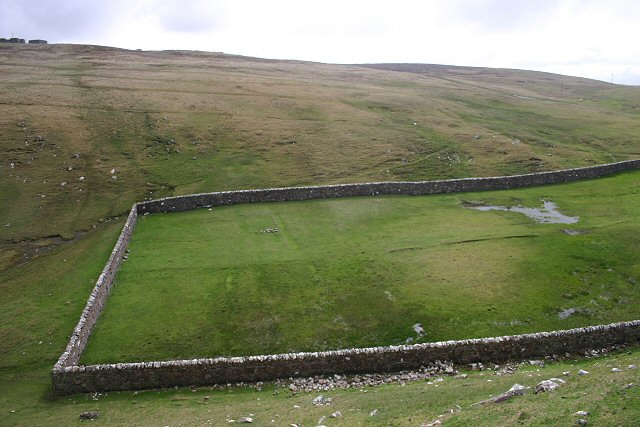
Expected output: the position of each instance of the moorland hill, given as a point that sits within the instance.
(86, 131)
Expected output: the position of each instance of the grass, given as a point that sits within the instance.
(602, 393)
(239, 118)
(361, 272)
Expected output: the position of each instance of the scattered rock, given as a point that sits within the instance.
(583, 372)
(373, 413)
(81, 178)
(91, 415)
(632, 366)
(582, 422)
(432, 424)
(336, 414)
(573, 232)
(515, 390)
(616, 370)
(566, 373)
(592, 353)
(245, 420)
(321, 400)
(322, 383)
(581, 414)
(75, 156)
(454, 409)
(545, 386)
(539, 363)
(506, 370)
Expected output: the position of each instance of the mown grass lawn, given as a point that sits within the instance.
(362, 271)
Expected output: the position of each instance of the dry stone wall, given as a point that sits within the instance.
(223, 370)
(98, 297)
(68, 377)
(195, 201)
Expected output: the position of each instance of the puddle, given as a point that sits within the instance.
(566, 313)
(547, 215)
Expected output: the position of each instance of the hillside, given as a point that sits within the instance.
(86, 131)
(182, 122)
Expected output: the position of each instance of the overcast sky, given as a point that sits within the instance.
(588, 38)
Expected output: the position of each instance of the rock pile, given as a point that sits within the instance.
(90, 415)
(320, 383)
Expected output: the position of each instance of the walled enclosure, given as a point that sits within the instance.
(68, 377)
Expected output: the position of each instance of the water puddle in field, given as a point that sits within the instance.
(548, 214)
(566, 313)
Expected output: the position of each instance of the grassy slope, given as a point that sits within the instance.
(253, 123)
(602, 393)
(147, 114)
(361, 271)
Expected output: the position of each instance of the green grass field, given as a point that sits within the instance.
(357, 272)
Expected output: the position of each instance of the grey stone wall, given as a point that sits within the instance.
(68, 377)
(200, 372)
(98, 297)
(195, 201)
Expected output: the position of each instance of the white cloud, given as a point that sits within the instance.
(590, 38)
(62, 19)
